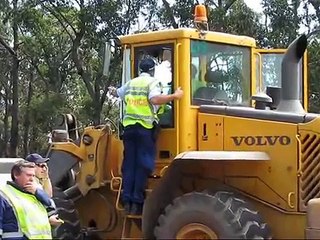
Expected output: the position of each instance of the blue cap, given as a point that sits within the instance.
(36, 158)
(147, 64)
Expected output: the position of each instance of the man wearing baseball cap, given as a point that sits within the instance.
(42, 171)
(142, 97)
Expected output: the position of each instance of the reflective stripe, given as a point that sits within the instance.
(1, 231)
(137, 90)
(146, 118)
(12, 235)
(50, 213)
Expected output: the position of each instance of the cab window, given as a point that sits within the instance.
(220, 74)
(271, 72)
(163, 56)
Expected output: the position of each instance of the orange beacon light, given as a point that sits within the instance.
(200, 14)
(200, 18)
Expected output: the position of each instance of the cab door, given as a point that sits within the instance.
(163, 52)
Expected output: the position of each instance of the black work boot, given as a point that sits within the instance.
(136, 209)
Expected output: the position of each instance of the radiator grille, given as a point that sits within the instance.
(310, 168)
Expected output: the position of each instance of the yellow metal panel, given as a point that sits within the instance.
(188, 33)
(269, 51)
(279, 175)
(69, 147)
(305, 96)
(187, 124)
(284, 225)
(210, 132)
(253, 74)
(167, 142)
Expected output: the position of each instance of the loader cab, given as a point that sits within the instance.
(211, 68)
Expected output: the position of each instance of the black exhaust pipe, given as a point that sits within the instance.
(290, 73)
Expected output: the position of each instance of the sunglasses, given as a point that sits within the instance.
(42, 165)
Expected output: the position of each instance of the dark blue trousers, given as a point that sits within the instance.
(138, 162)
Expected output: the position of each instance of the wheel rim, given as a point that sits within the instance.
(196, 231)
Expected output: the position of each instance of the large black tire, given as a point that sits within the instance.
(220, 216)
(67, 181)
(71, 228)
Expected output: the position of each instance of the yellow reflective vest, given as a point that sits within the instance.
(31, 215)
(138, 109)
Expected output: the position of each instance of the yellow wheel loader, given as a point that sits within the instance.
(237, 157)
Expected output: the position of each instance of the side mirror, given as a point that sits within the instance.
(107, 58)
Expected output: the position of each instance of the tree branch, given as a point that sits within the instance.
(127, 26)
(36, 66)
(78, 63)
(316, 5)
(7, 47)
(170, 12)
(59, 20)
(229, 5)
(64, 18)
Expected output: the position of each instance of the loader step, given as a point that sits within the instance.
(129, 222)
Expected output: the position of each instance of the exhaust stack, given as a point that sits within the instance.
(290, 101)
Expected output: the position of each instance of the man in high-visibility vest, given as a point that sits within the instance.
(24, 208)
(142, 97)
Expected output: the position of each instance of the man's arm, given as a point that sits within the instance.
(43, 197)
(162, 99)
(47, 202)
(118, 92)
(47, 186)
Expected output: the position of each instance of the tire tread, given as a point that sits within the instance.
(237, 217)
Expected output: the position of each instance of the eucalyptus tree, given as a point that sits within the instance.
(88, 25)
(9, 40)
(282, 22)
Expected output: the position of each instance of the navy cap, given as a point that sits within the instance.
(147, 64)
(36, 158)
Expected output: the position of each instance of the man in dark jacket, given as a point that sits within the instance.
(26, 211)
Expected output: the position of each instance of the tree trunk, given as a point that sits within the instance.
(6, 126)
(97, 110)
(4, 134)
(15, 90)
(26, 123)
(33, 137)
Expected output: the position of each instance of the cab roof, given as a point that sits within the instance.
(172, 34)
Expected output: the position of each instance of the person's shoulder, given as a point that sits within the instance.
(4, 202)
(154, 82)
(14, 185)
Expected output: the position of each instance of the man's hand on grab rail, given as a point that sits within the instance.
(113, 91)
(178, 93)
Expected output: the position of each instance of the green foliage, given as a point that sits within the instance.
(314, 70)
(282, 22)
